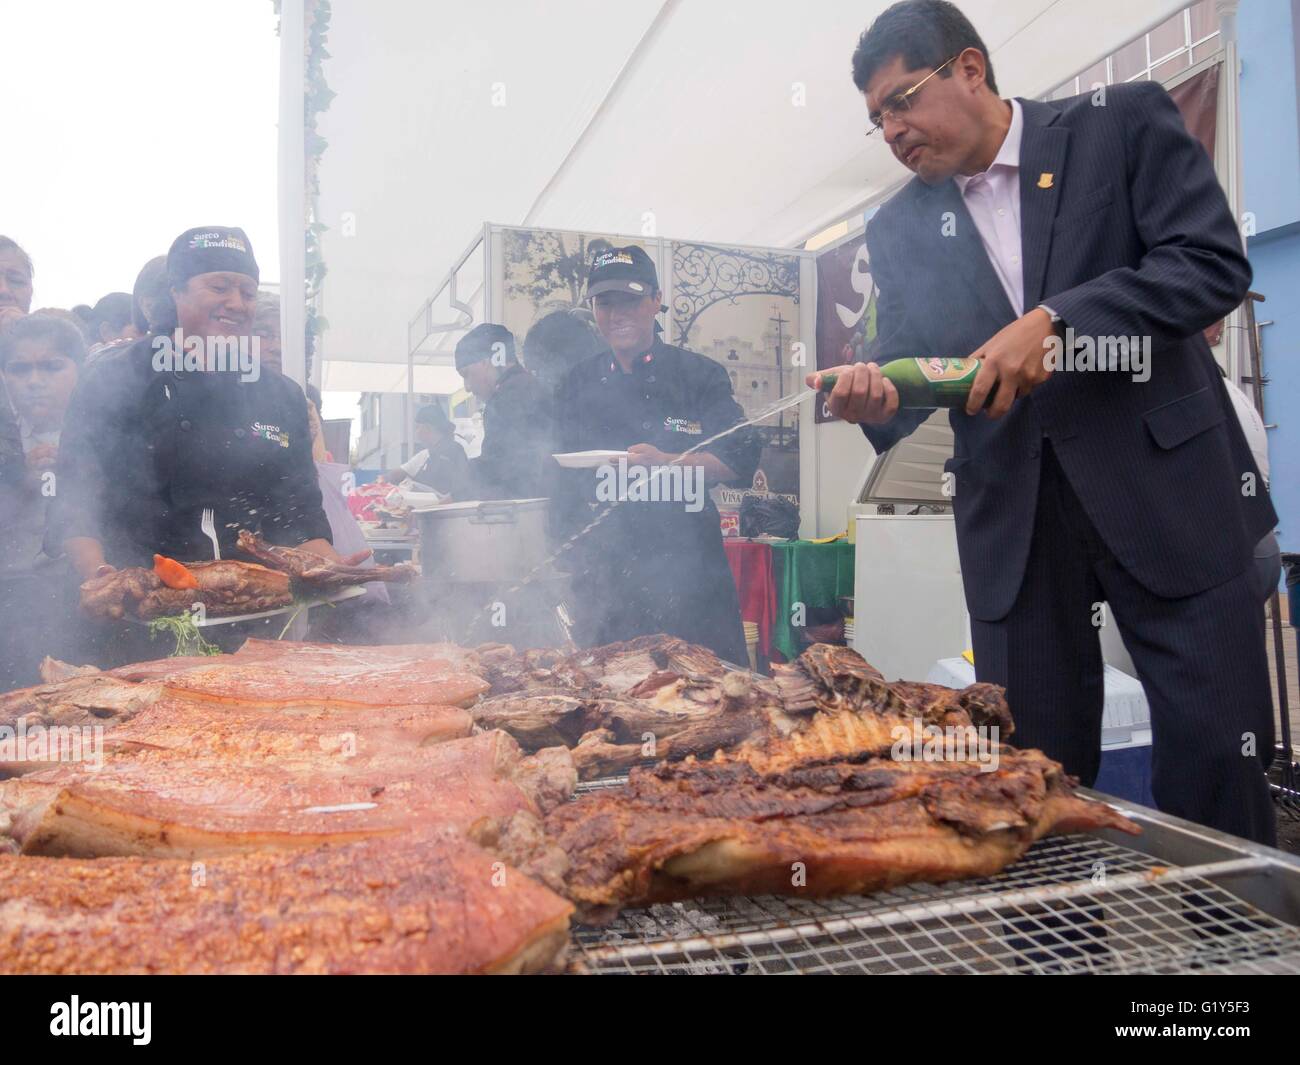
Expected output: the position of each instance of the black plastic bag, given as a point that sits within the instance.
(772, 516)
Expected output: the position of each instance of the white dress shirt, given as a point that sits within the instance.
(993, 199)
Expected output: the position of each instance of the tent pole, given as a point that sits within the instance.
(292, 178)
(1227, 12)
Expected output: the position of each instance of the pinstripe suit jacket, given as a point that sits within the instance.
(1133, 238)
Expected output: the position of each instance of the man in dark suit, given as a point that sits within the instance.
(1031, 231)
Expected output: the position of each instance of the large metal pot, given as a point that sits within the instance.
(492, 540)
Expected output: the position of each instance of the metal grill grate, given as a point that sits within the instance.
(1072, 904)
(603, 784)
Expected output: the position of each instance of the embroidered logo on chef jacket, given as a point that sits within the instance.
(683, 425)
(272, 433)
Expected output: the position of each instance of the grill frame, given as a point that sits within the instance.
(1180, 898)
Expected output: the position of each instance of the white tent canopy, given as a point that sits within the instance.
(698, 119)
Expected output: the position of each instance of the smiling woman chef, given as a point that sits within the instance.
(151, 440)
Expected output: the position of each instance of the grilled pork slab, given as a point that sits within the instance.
(309, 692)
(163, 803)
(772, 822)
(417, 905)
(231, 681)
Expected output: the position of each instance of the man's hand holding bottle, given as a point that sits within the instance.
(862, 394)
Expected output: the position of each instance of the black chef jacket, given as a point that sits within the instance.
(143, 452)
(518, 439)
(446, 469)
(652, 567)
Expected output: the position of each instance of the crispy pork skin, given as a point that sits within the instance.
(426, 904)
(257, 734)
(230, 681)
(779, 824)
(164, 803)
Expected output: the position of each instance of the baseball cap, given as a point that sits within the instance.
(622, 270)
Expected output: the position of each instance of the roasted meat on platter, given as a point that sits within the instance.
(227, 587)
(313, 571)
(420, 904)
(224, 588)
(782, 824)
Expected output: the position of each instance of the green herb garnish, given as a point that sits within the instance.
(189, 640)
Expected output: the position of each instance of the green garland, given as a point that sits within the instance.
(317, 96)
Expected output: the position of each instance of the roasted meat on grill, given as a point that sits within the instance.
(199, 801)
(661, 715)
(657, 698)
(832, 679)
(783, 824)
(424, 904)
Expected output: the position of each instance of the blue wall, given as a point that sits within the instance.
(1270, 136)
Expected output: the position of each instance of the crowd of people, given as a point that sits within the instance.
(137, 427)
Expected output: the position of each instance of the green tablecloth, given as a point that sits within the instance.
(815, 575)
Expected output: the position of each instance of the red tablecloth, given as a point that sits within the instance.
(751, 568)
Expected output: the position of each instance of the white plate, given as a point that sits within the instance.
(297, 604)
(587, 460)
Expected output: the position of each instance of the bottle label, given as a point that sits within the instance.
(948, 380)
(937, 371)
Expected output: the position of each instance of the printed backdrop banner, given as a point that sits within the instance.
(740, 307)
(846, 309)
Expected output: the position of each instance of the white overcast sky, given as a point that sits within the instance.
(129, 121)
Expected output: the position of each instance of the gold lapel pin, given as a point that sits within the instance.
(1045, 181)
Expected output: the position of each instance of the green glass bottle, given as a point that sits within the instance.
(928, 382)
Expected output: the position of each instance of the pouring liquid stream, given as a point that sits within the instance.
(792, 400)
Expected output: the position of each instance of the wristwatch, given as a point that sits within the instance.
(1058, 323)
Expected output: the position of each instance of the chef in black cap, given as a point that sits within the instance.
(441, 462)
(652, 565)
(518, 417)
(183, 420)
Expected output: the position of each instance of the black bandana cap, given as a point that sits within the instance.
(207, 250)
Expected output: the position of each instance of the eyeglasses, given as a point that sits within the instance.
(900, 103)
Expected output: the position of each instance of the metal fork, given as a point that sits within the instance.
(209, 525)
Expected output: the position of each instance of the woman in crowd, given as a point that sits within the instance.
(111, 321)
(40, 358)
(152, 309)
